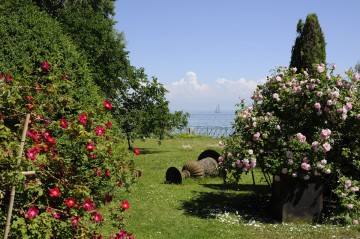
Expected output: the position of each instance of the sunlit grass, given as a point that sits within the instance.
(205, 208)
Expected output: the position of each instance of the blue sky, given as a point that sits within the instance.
(209, 52)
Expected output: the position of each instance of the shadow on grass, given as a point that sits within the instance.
(237, 199)
(151, 151)
(262, 189)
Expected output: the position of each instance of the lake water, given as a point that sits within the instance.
(211, 119)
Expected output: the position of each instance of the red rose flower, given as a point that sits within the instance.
(90, 146)
(45, 65)
(109, 124)
(88, 205)
(33, 134)
(32, 212)
(108, 198)
(107, 105)
(70, 202)
(8, 77)
(125, 205)
(57, 215)
(51, 140)
(136, 151)
(100, 131)
(97, 171)
(55, 192)
(97, 216)
(83, 118)
(64, 123)
(74, 221)
(31, 154)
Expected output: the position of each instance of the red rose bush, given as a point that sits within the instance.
(80, 163)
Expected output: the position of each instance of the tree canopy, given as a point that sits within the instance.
(309, 47)
(139, 102)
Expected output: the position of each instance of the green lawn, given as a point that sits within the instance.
(204, 208)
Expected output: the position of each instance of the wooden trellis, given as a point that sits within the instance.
(12, 194)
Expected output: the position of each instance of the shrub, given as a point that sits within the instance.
(304, 126)
(72, 144)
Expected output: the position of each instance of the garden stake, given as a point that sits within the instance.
(12, 195)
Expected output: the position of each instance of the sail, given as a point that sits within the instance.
(217, 110)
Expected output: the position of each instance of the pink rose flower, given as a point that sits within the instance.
(256, 136)
(335, 94)
(356, 76)
(348, 106)
(276, 96)
(301, 137)
(326, 147)
(325, 134)
(347, 183)
(320, 68)
(305, 166)
(317, 106)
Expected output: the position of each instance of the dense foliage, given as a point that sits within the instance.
(303, 126)
(140, 106)
(309, 47)
(72, 141)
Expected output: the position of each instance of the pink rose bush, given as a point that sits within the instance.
(79, 159)
(303, 126)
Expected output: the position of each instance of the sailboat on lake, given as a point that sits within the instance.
(217, 110)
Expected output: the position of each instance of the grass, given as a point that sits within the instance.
(205, 208)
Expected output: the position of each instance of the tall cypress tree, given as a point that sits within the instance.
(309, 47)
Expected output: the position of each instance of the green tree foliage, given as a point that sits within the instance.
(141, 105)
(357, 67)
(309, 47)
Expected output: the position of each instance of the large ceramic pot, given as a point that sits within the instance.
(296, 199)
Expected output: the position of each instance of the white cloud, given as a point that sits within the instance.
(190, 94)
